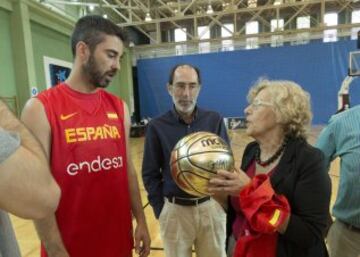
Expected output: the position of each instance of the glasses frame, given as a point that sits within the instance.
(258, 103)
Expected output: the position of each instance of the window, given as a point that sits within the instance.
(330, 19)
(252, 3)
(303, 22)
(204, 33)
(277, 25)
(252, 27)
(355, 18)
(227, 45)
(180, 36)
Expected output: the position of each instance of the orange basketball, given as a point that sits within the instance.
(197, 157)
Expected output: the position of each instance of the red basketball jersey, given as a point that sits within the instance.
(88, 160)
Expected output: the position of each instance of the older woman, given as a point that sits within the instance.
(279, 205)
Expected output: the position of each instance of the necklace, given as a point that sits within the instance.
(273, 157)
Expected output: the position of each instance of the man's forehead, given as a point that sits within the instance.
(185, 70)
(185, 67)
(112, 42)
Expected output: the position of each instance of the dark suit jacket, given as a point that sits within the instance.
(302, 177)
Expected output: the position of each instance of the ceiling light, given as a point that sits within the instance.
(105, 16)
(148, 17)
(209, 9)
(91, 7)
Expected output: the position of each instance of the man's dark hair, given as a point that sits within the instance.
(92, 29)
(172, 72)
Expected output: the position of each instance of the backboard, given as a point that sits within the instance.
(354, 63)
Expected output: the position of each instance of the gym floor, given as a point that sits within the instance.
(30, 244)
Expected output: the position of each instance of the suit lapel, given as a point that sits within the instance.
(248, 155)
(285, 165)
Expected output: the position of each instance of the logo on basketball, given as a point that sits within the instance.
(196, 158)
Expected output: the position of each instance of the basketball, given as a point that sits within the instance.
(196, 158)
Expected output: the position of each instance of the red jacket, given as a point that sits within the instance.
(265, 212)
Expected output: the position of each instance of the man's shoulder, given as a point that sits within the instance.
(111, 96)
(352, 113)
(49, 91)
(207, 112)
(340, 121)
(164, 117)
(50, 94)
(160, 124)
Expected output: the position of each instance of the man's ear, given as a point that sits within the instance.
(82, 51)
(169, 89)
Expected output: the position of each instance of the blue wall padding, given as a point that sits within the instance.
(226, 77)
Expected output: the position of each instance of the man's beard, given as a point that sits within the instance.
(96, 77)
(185, 110)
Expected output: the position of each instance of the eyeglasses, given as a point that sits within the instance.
(180, 86)
(258, 103)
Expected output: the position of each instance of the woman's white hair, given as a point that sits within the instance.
(291, 103)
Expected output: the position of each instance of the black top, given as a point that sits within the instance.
(301, 176)
(162, 134)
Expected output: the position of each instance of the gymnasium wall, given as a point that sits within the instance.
(34, 32)
(47, 42)
(7, 71)
(123, 82)
(226, 77)
(50, 43)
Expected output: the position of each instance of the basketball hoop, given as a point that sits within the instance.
(353, 73)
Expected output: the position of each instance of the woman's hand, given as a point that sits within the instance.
(228, 182)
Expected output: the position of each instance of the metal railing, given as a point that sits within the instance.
(269, 39)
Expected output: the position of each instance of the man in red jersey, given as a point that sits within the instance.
(85, 133)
